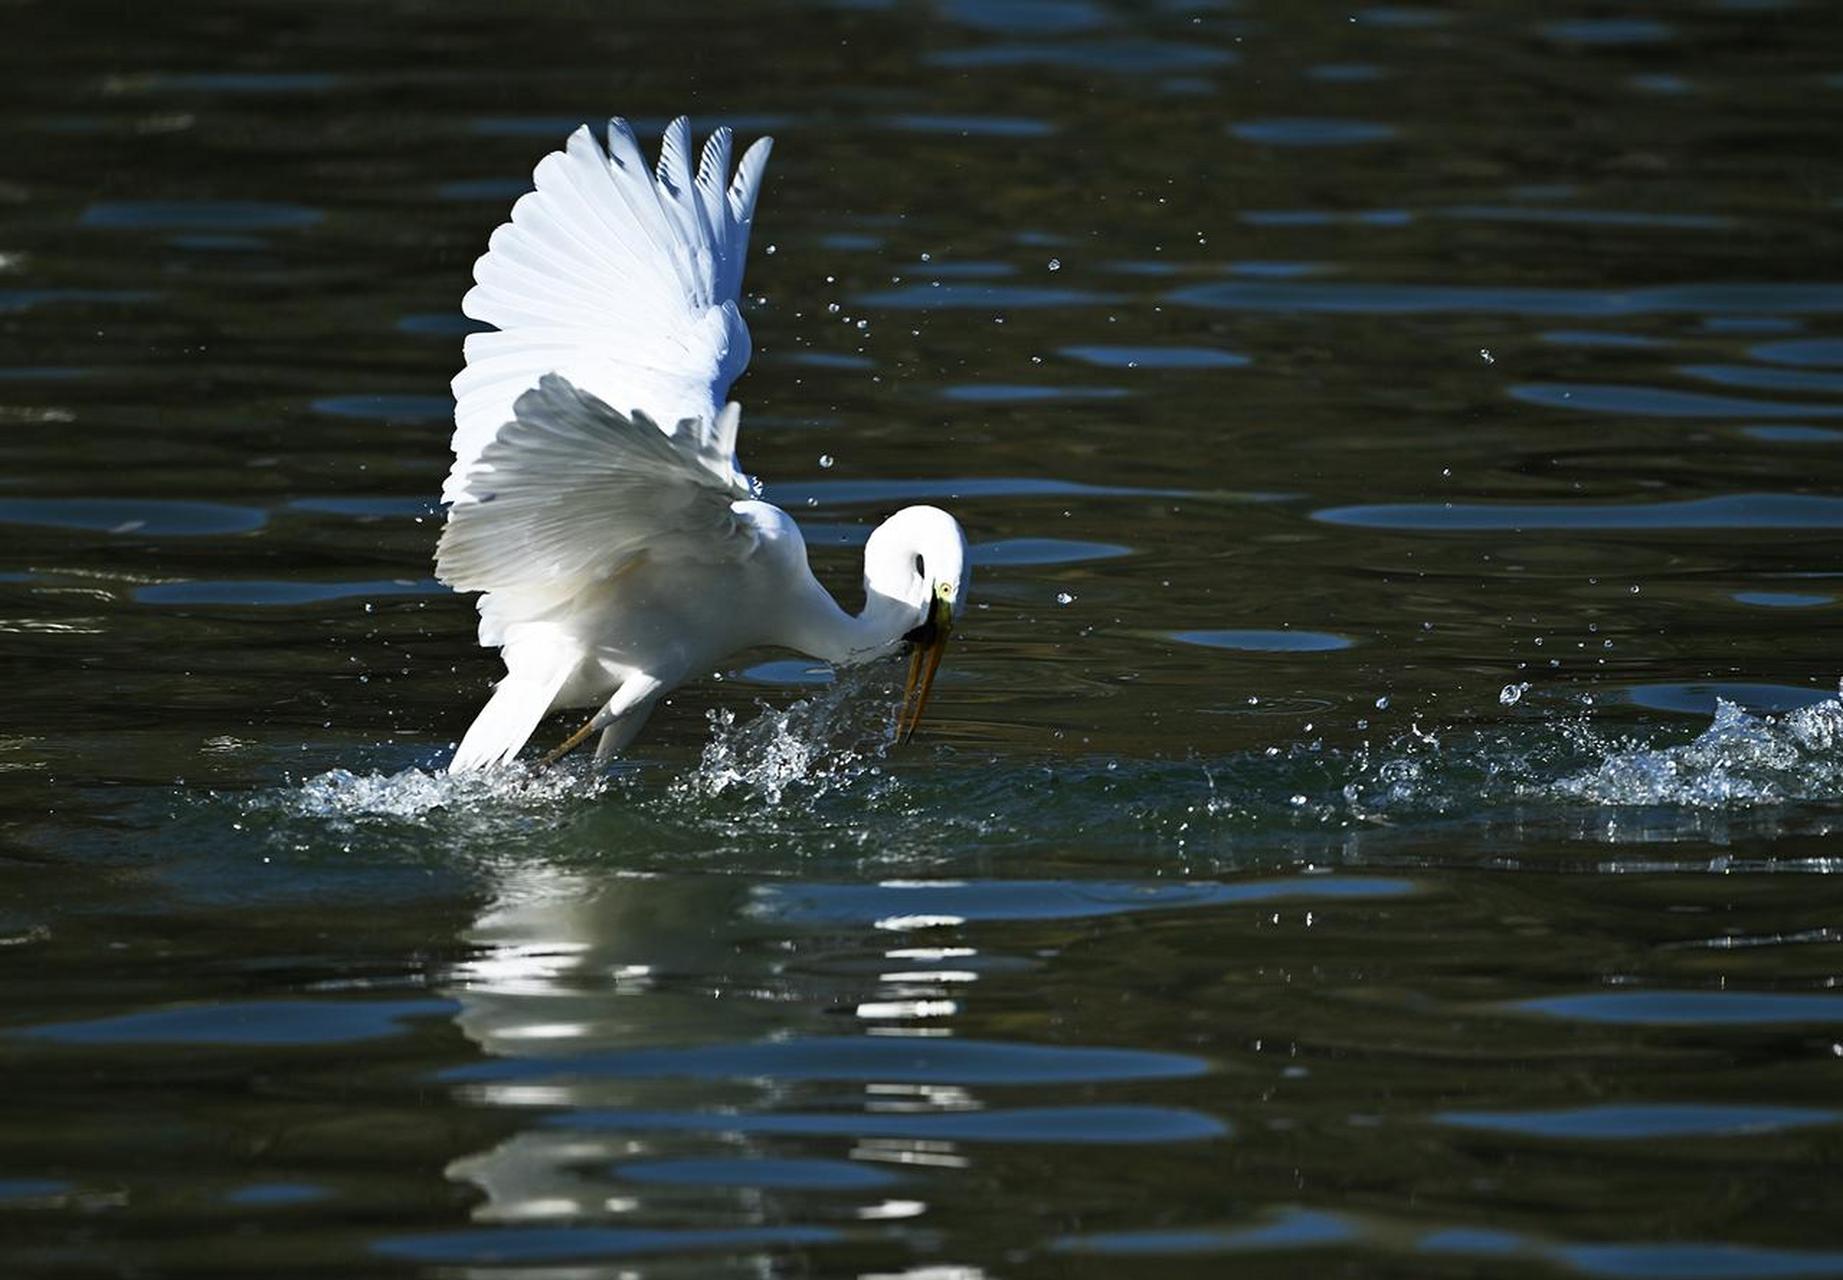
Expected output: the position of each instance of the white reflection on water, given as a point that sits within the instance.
(570, 963)
(623, 1017)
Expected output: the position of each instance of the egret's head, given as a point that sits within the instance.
(917, 561)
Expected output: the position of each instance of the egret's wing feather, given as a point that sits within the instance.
(570, 492)
(622, 280)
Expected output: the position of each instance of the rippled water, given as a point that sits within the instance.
(1380, 811)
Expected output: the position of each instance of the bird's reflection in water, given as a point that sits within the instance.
(661, 1030)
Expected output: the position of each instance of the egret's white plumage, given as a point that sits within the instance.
(595, 497)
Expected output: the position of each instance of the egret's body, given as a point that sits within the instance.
(595, 497)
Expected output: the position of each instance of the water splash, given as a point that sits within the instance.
(816, 779)
(1739, 761)
(735, 803)
(343, 797)
(822, 743)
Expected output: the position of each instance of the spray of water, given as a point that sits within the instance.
(342, 795)
(1740, 761)
(820, 744)
(814, 776)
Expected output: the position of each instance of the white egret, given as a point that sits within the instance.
(595, 498)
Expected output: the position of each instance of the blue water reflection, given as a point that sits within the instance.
(1118, 57)
(1690, 1008)
(149, 517)
(895, 906)
(247, 1022)
(281, 593)
(1098, 1125)
(1661, 402)
(211, 215)
(1311, 132)
(1812, 352)
(1132, 357)
(1731, 511)
(927, 1061)
(1619, 1122)
(1286, 641)
(1408, 299)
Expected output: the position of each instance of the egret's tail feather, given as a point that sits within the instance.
(507, 721)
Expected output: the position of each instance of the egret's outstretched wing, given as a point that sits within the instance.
(623, 281)
(570, 491)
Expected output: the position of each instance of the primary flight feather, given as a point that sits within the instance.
(595, 497)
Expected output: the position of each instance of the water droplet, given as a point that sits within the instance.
(1063, 597)
(1055, 264)
(1382, 703)
(1511, 694)
(832, 308)
(769, 249)
(825, 461)
(1486, 356)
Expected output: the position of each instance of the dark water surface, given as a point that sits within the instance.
(1380, 820)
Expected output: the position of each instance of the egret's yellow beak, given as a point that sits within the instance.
(926, 645)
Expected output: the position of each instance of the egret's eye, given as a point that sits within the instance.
(920, 572)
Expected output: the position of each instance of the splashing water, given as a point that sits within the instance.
(1739, 761)
(821, 743)
(814, 777)
(495, 803)
(414, 793)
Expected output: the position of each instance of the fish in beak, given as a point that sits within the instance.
(926, 645)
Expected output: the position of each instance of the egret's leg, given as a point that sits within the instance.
(623, 731)
(620, 719)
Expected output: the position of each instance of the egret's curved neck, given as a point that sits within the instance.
(820, 628)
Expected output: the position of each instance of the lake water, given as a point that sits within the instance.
(1380, 815)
